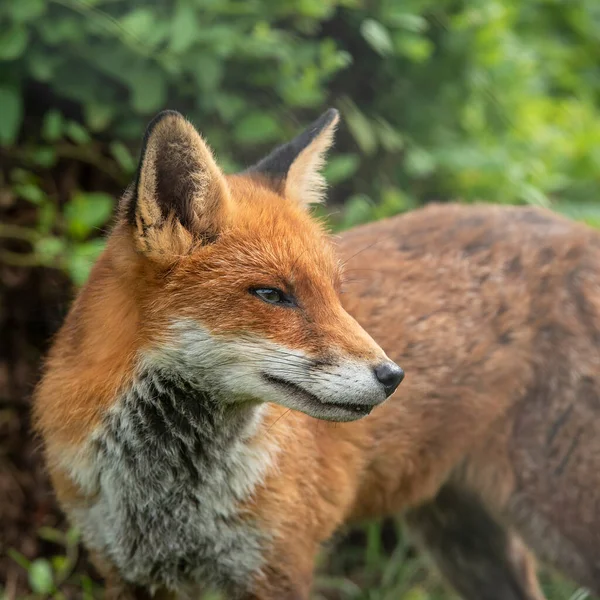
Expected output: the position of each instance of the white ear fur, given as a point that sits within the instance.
(293, 169)
(305, 182)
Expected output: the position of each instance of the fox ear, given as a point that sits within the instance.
(294, 168)
(180, 196)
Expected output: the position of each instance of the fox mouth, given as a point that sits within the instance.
(315, 407)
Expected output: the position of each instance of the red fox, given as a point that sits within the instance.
(182, 400)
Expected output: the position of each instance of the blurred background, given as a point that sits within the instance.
(466, 100)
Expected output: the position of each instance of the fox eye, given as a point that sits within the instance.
(273, 296)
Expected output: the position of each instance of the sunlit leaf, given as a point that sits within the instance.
(86, 212)
(82, 259)
(360, 127)
(123, 156)
(256, 128)
(341, 167)
(77, 132)
(377, 36)
(40, 575)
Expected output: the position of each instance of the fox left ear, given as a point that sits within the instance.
(294, 168)
(180, 197)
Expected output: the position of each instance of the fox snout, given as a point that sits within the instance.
(343, 388)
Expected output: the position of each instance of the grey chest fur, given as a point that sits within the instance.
(173, 467)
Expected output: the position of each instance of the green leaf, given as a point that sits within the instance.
(360, 127)
(341, 167)
(257, 127)
(98, 115)
(229, 106)
(533, 195)
(44, 156)
(374, 550)
(408, 21)
(358, 209)
(30, 192)
(22, 12)
(82, 259)
(19, 558)
(139, 23)
(415, 47)
(315, 9)
(77, 132)
(19, 175)
(123, 156)
(46, 217)
(394, 201)
(87, 211)
(391, 139)
(416, 593)
(11, 114)
(52, 127)
(184, 27)
(419, 163)
(73, 534)
(60, 565)
(148, 90)
(51, 535)
(42, 65)
(377, 36)
(207, 71)
(49, 248)
(41, 579)
(87, 586)
(13, 43)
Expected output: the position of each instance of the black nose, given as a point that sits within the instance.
(390, 375)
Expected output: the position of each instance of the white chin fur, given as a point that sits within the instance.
(253, 368)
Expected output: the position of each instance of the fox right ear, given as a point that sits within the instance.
(294, 169)
(180, 197)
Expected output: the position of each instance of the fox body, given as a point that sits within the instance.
(183, 402)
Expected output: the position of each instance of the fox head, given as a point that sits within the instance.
(237, 285)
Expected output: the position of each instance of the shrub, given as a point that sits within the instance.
(493, 100)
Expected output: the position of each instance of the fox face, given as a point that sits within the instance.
(238, 286)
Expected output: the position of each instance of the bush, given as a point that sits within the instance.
(492, 100)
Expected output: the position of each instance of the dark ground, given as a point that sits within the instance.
(32, 304)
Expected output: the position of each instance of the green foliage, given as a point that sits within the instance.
(60, 239)
(492, 100)
(41, 578)
(50, 577)
(222, 63)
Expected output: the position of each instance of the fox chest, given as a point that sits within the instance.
(171, 483)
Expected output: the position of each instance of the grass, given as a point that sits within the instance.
(373, 562)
